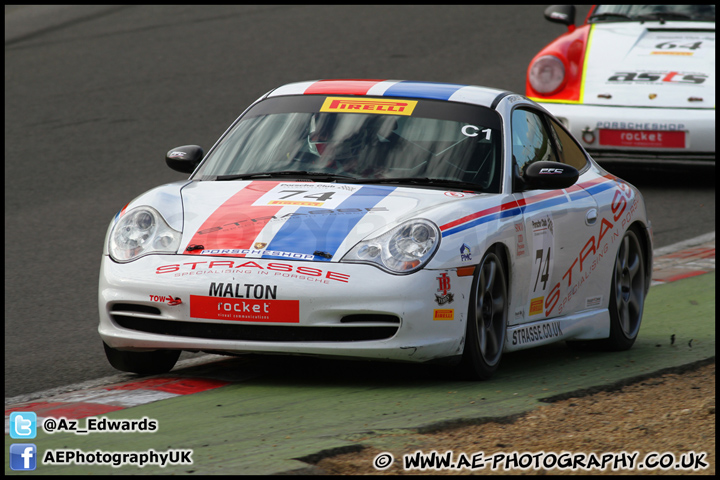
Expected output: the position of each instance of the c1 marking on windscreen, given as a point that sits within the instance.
(473, 131)
(365, 105)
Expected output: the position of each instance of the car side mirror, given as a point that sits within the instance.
(184, 159)
(564, 14)
(549, 176)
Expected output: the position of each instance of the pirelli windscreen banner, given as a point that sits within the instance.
(368, 105)
(472, 114)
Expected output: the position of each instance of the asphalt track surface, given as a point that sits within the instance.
(95, 96)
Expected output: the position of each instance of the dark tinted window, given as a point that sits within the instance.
(568, 150)
(363, 138)
(530, 140)
(626, 13)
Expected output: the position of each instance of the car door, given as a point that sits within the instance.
(555, 224)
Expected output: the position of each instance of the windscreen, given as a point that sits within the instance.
(363, 138)
(617, 13)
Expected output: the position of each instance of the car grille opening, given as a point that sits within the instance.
(370, 318)
(134, 308)
(258, 333)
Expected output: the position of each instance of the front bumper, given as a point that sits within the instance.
(586, 121)
(242, 305)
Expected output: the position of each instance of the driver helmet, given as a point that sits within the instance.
(330, 135)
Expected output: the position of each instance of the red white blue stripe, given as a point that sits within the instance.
(530, 204)
(392, 88)
(303, 237)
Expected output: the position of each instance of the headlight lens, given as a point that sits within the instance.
(139, 232)
(547, 74)
(404, 249)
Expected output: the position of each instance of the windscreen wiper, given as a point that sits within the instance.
(606, 15)
(662, 16)
(436, 182)
(285, 173)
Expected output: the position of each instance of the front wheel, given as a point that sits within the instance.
(158, 361)
(487, 319)
(627, 293)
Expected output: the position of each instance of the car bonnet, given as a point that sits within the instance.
(651, 64)
(297, 220)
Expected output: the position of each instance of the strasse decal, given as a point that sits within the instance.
(244, 310)
(368, 105)
(250, 267)
(536, 333)
(595, 250)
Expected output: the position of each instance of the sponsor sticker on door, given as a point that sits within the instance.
(444, 314)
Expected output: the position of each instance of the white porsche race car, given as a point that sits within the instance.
(634, 83)
(387, 220)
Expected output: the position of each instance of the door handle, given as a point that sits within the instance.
(591, 216)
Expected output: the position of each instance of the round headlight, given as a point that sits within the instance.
(139, 232)
(133, 231)
(547, 74)
(408, 246)
(404, 249)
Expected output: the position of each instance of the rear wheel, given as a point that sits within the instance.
(158, 361)
(487, 319)
(627, 293)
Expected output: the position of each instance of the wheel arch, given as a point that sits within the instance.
(503, 253)
(643, 234)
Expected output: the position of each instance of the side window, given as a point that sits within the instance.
(530, 140)
(568, 149)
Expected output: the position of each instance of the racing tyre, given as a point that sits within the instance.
(158, 361)
(627, 294)
(487, 319)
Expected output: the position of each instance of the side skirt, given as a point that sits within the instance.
(588, 325)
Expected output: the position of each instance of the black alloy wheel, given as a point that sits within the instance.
(487, 319)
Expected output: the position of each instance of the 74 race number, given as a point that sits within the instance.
(306, 195)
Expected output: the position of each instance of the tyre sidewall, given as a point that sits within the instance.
(473, 361)
(618, 340)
